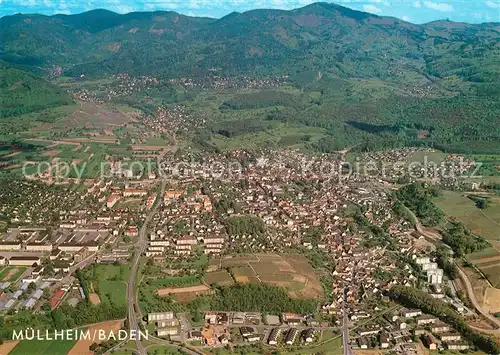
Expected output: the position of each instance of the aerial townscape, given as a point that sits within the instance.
(271, 182)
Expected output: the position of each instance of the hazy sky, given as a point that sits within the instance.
(416, 11)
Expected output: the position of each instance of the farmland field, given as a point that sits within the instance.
(290, 271)
(488, 261)
(221, 277)
(11, 273)
(483, 222)
(43, 347)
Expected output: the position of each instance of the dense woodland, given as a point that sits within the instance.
(418, 198)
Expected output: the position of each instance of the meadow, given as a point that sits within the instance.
(43, 347)
(483, 222)
(109, 281)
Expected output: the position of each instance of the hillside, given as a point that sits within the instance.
(22, 92)
(318, 37)
(354, 79)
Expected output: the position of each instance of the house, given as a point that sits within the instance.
(55, 254)
(411, 313)
(273, 336)
(272, 320)
(247, 331)
(167, 323)
(224, 339)
(134, 192)
(2, 260)
(362, 343)
(451, 337)
(370, 330)
(162, 332)
(10, 246)
(457, 345)
(430, 342)
(222, 318)
(292, 319)
(195, 335)
(419, 331)
(159, 316)
(24, 260)
(440, 328)
(384, 340)
(308, 335)
(238, 318)
(291, 336)
(211, 317)
(39, 247)
(423, 320)
(253, 337)
(401, 324)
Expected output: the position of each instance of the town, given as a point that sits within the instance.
(273, 218)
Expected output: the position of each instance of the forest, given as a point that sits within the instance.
(22, 92)
(261, 298)
(418, 198)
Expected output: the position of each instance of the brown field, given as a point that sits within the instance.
(242, 279)
(188, 289)
(13, 154)
(94, 298)
(221, 277)
(7, 347)
(291, 271)
(147, 147)
(82, 346)
(491, 301)
(487, 296)
(10, 274)
(487, 260)
(51, 153)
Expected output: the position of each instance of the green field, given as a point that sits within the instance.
(221, 277)
(110, 281)
(429, 157)
(492, 274)
(483, 222)
(43, 347)
(174, 281)
(488, 261)
(4, 273)
(485, 253)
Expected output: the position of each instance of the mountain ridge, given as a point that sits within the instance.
(317, 37)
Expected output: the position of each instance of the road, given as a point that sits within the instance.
(463, 276)
(131, 295)
(345, 331)
(473, 299)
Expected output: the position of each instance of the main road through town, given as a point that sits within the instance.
(141, 247)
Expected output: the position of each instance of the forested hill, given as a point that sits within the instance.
(22, 92)
(318, 37)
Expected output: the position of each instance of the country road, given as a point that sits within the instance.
(463, 276)
(473, 298)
